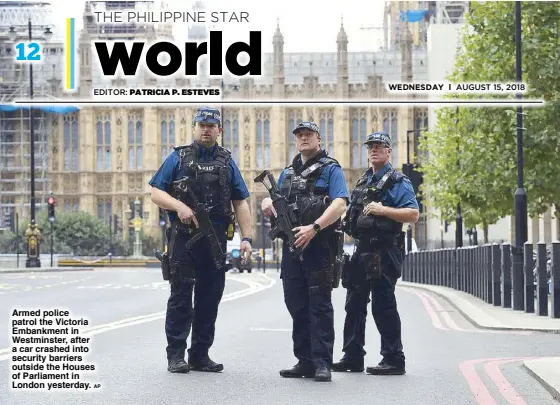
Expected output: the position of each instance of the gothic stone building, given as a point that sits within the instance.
(101, 159)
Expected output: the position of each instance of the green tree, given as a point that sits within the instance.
(74, 233)
(472, 155)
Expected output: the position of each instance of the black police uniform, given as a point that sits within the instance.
(307, 278)
(197, 271)
(214, 178)
(374, 269)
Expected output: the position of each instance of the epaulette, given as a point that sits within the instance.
(397, 176)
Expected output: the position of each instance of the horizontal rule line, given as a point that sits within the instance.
(284, 102)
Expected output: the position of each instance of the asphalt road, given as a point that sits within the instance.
(448, 360)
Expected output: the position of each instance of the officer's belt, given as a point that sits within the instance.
(376, 242)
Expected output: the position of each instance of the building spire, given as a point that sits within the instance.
(342, 37)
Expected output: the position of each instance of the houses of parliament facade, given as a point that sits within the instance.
(102, 158)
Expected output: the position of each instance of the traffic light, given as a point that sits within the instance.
(52, 202)
(116, 224)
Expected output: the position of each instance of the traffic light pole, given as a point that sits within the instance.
(17, 240)
(52, 243)
(110, 240)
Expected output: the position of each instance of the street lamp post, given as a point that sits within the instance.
(32, 259)
(32, 233)
(458, 216)
(520, 196)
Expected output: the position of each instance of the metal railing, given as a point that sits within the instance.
(489, 273)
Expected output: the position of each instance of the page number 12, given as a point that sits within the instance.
(32, 54)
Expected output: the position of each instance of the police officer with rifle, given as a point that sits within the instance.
(198, 184)
(381, 202)
(305, 212)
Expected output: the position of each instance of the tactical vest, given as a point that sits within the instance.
(211, 179)
(358, 225)
(299, 187)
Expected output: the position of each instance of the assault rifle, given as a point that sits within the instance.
(182, 190)
(281, 226)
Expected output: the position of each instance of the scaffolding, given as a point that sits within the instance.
(15, 84)
(96, 28)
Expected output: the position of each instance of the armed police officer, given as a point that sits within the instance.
(314, 182)
(381, 202)
(200, 173)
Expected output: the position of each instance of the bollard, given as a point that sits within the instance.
(454, 258)
(448, 268)
(404, 268)
(459, 261)
(506, 275)
(517, 278)
(472, 271)
(489, 278)
(528, 277)
(463, 261)
(422, 259)
(542, 287)
(479, 274)
(496, 275)
(555, 280)
(439, 266)
(414, 266)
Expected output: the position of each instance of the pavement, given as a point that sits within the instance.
(449, 358)
(487, 316)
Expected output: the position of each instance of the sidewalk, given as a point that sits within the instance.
(23, 270)
(547, 370)
(487, 316)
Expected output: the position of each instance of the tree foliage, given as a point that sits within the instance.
(75, 233)
(472, 152)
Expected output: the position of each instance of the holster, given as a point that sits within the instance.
(165, 267)
(179, 271)
(340, 263)
(347, 273)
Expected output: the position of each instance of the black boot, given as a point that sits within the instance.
(298, 371)
(207, 366)
(386, 369)
(323, 374)
(355, 366)
(177, 366)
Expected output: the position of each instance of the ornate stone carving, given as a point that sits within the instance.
(71, 184)
(135, 182)
(104, 183)
(119, 158)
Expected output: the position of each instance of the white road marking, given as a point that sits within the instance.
(253, 288)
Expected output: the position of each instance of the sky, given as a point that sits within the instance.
(306, 25)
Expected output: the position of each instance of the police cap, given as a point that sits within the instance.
(381, 137)
(307, 125)
(207, 114)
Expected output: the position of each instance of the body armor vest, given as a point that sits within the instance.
(299, 187)
(358, 225)
(211, 180)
